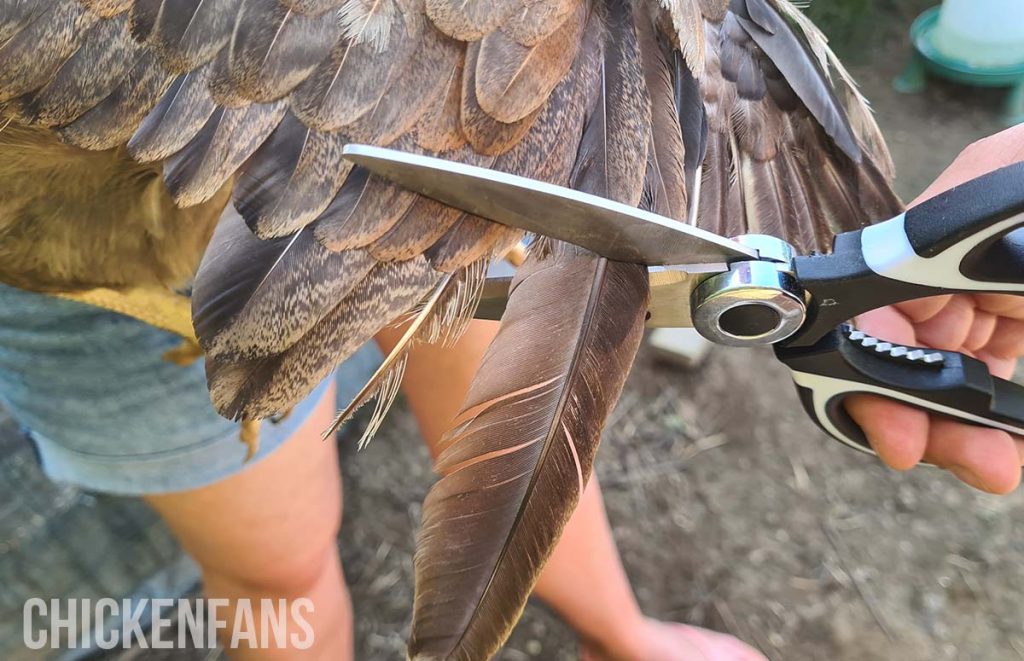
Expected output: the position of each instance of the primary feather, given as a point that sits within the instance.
(129, 125)
(517, 459)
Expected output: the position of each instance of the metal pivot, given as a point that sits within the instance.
(753, 303)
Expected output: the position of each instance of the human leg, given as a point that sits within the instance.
(584, 580)
(270, 532)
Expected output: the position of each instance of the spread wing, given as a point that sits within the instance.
(732, 115)
(259, 96)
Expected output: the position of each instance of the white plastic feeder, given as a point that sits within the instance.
(972, 42)
(981, 33)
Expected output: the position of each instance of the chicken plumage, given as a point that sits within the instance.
(129, 125)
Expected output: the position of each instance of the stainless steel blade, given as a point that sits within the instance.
(669, 307)
(613, 230)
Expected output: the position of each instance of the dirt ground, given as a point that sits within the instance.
(731, 509)
(734, 512)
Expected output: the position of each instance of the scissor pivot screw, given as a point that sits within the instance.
(753, 303)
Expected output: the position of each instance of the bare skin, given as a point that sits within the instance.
(989, 327)
(270, 531)
(584, 580)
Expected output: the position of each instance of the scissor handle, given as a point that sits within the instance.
(847, 362)
(967, 239)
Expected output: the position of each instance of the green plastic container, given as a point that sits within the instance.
(967, 56)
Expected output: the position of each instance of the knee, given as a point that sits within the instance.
(297, 573)
(287, 561)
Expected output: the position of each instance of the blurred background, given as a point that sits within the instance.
(731, 509)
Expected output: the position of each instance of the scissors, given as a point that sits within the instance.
(754, 290)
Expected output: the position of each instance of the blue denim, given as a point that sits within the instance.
(106, 412)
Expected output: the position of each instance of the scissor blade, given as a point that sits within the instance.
(669, 305)
(610, 229)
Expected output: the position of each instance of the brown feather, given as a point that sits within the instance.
(773, 117)
(470, 239)
(291, 179)
(484, 133)
(177, 118)
(107, 8)
(687, 20)
(313, 6)
(256, 389)
(184, 34)
(419, 84)
(470, 20)
(16, 14)
(774, 36)
(512, 80)
(667, 154)
(439, 129)
(229, 137)
(518, 457)
(112, 121)
(424, 223)
(24, 66)
(442, 319)
(257, 298)
(273, 49)
(533, 24)
(88, 76)
(363, 211)
(353, 79)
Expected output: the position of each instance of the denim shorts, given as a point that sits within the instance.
(107, 413)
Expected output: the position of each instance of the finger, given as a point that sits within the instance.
(888, 324)
(1003, 305)
(897, 433)
(981, 331)
(983, 156)
(924, 308)
(1007, 339)
(1004, 368)
(986, 459)
(950, 327)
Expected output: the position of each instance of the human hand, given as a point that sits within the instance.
(989, 327)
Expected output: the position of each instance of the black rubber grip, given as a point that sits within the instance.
(966, 210)
(938, 379)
